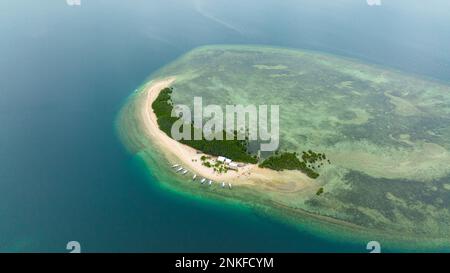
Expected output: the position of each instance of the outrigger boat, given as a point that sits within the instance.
(180, 169)
(185, 172)
(176, 165)
(195, 176)
(229, 185)
(210, 182)
(203, 180)
(223, 184)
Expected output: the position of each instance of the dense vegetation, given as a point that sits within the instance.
(309, 164)
(233, 149)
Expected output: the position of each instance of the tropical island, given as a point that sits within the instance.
(386, 133)
(236, 150)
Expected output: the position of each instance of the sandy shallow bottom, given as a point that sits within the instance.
(389, 174)
(276, 194)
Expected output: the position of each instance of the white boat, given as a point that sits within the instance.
(185, 172)
(180, 169)
(210, 182)
(195, 176)
(176, 165)
(223, 184)
(229, 185)
(203, 180)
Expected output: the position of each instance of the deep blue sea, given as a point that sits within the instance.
(65, 71)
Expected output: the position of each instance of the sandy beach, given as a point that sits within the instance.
(189, 158)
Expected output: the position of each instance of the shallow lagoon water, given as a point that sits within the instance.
(66, 71)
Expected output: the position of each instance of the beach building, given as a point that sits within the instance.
(221, 159)
(228, 162)
(224, 160)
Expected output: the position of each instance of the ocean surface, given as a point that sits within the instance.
(65, 72)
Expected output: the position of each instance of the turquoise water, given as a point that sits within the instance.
(66, 71)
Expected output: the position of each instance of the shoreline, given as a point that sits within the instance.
(189, 158)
